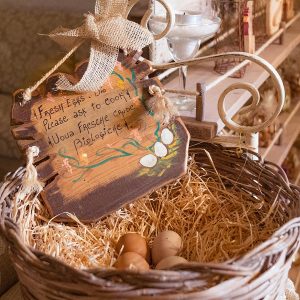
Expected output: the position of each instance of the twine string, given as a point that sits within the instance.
(30, 182)
(100, 30)
(240, 85)
(182, 92)
(27, 94)
(163, 109)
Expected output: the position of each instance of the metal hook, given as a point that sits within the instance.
(145, 20)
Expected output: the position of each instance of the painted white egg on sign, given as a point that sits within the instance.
(160, 149)
(167, 136)
(148, 161)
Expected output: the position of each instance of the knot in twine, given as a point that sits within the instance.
(27, 95)
(163, 109)
(30, 182)
(108, 31)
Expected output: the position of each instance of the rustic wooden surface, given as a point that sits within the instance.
(200, 131)
(92, 145)
(274, 14)
(288, 10)
(8, 165)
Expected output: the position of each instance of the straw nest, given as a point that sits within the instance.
(216, 223)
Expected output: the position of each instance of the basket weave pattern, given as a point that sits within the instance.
(261, 272)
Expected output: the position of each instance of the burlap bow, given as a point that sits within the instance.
(108, 31)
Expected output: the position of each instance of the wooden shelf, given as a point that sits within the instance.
(275, 54)
(278, 153)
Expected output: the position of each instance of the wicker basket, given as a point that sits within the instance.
(261, 273)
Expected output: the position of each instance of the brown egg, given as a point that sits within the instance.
(167, 243)
(132, 261)
(133, 242)
(169, 262)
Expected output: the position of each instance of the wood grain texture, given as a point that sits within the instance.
(288, 10)
(274, 14)
(99, 150)
(203, 131)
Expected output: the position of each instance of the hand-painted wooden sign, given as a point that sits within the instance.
(102, 149)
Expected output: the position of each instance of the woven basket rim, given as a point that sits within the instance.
(247, 266)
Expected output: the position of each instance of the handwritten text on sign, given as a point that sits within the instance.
(86, 113)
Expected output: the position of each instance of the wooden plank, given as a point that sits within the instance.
(103, 149)
(274, 53)
(13, 293)
(200, 131)
(274, 15)
(279, 152)
(8, 165)
(288, 10)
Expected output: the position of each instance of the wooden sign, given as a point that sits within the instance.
(274, 13)
(100, 150)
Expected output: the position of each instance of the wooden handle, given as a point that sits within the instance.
(170, 18)
(145, 20)
(255, 101)
(249, 87)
